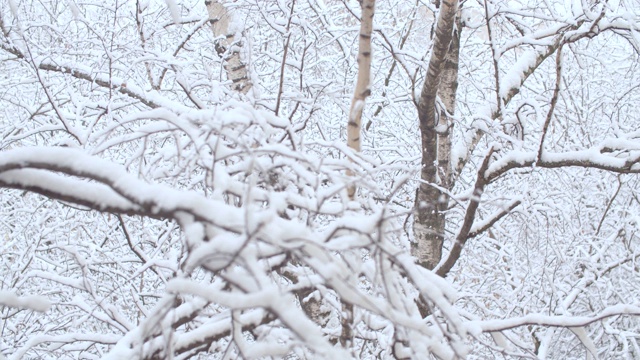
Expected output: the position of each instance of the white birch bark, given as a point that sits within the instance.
(228, 46)
(429, 223)
(362, 90)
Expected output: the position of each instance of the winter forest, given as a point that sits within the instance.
(319, 179)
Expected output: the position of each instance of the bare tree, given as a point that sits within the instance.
(436, 111)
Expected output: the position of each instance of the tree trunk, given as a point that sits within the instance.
(435, 122)
(227, 46)
(362, 90)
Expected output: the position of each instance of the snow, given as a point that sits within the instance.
(584, 158)
(102, 197)
(157, 198)
(191, 213)
(63, 280)
(32, 302)
(277, 302)
(515, 76)
(556, 320)
(74, 9)
(174, 9)
(472, 17)
(86, 72)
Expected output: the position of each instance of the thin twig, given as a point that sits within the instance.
(554, 100)
(494, 54)
(604, 215)
(284, 59)
(131, 246)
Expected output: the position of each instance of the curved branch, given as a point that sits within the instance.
(111, 188)
(556, 321)
(93, 196)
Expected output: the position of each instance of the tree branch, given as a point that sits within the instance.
(590, 158)
(556, 321)
(463, 235)
(494, 218)
(554, 100)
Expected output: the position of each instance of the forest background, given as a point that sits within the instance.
(319, 179)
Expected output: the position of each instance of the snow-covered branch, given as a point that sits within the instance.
(33, 302)
(568, 321)
(623, 162)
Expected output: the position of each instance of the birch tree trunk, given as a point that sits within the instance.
(228, 47)
(362, 90)
(360, 95)
(435, 121)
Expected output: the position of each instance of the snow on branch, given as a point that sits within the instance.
(139, 197)
(92, 195)
(228, 238)
(151, 98)
(626, 162)
(568, 321)
(485, 224)
(32, 302)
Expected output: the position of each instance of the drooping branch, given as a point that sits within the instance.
(68, 190)
(105, 186)
(87, 74)
(33, 302)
